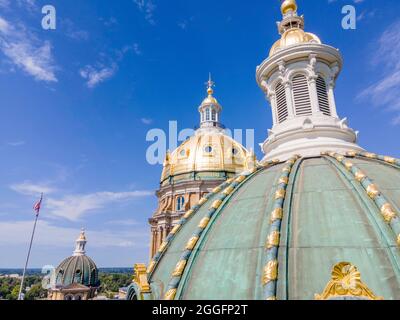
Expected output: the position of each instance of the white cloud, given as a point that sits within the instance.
(16, 143)
(18, 232)
(97, 75)
(73, 207)
(146, 121)
(32, 189)
(384, 92)
(24, 50)
(148, 8)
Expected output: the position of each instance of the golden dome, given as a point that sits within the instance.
(288, 5)
(208, 151)
(292, 37)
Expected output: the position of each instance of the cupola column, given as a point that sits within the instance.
(289, 98)
(312, 82)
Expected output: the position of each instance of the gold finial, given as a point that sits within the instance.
(288, 5)
(210, 84)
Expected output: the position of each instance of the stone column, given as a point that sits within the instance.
(289, 99)
(312, 81)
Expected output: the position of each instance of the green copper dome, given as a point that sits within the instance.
(277, 233)
(78, 268)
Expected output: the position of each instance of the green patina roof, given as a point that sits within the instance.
(327, 218)
(77, 269)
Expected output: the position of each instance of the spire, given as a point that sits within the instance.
(210, 84)
(80, 244)
(289, 6)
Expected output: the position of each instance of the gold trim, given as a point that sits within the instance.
(202, 201)
(170, 294)
(162, 247)
(339, 158)
(151, 266)
(175, 229)
(371, 155)
(216, 204)
(280, 194)
(284, 180)
(398, 240)
(273, 240)
(346, 282)
(389, 160)
(360, 176)
(277, 214)
(140, 278)
(388, 212)
(192, 243)
(372, 191)
(270, 272)
(204, 223)
(179, 268)
(351, 153)
(287, 169)
(230, 180)
(217, 189)
(240, 179)
(188, 214)
(349, 165)
(228, 191)
(272, 298)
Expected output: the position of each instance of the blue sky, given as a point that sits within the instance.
(77, 102)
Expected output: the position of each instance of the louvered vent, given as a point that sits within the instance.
(301, 96)
(281, 103)
(322, 92)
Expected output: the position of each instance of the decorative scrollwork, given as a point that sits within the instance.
(346, 282)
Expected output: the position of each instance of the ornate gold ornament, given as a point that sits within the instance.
(240, 179)
(346, 282)
(339, 158)
(280, 194)
(216, 204)
(272, 298)
(192, 243)
(188, 214)
(270, 272)
(398, 240)
(170, 294)
(140, 278)
(175, 229)
(360, 176)
(230, 180)
(273, 240)
(284, 180)
(372, 191)
(388, 212)
(179, 268)
(275, 161)
(351, 153)
(389, 160)
(151, 266)
(287, 169)
(277, 214)
(332, 154)
(204, 223)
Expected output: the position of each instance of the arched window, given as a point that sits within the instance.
(68, 297)
(180, 202)
(301, 95)
(281, 103)
(322, 92)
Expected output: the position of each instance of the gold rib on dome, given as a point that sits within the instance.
(291, 29)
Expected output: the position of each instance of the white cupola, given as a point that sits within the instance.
(299, 79)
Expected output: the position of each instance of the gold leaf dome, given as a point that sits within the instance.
(208, 151)
(293, 36)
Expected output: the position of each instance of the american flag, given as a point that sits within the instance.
(37, 206)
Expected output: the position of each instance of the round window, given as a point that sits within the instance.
(208, 149)
(235, 151)
(183, 153)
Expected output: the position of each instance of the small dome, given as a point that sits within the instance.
(77, 269)
(288, 5)
(293, 37)
(209, 151)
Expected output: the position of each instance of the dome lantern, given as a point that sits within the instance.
(298, 79)
(80, 244)
(210, 109)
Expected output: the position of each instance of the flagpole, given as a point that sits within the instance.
(29, 252)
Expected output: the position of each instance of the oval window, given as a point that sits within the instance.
(235, 151)
(183, 153)
(208, 149)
